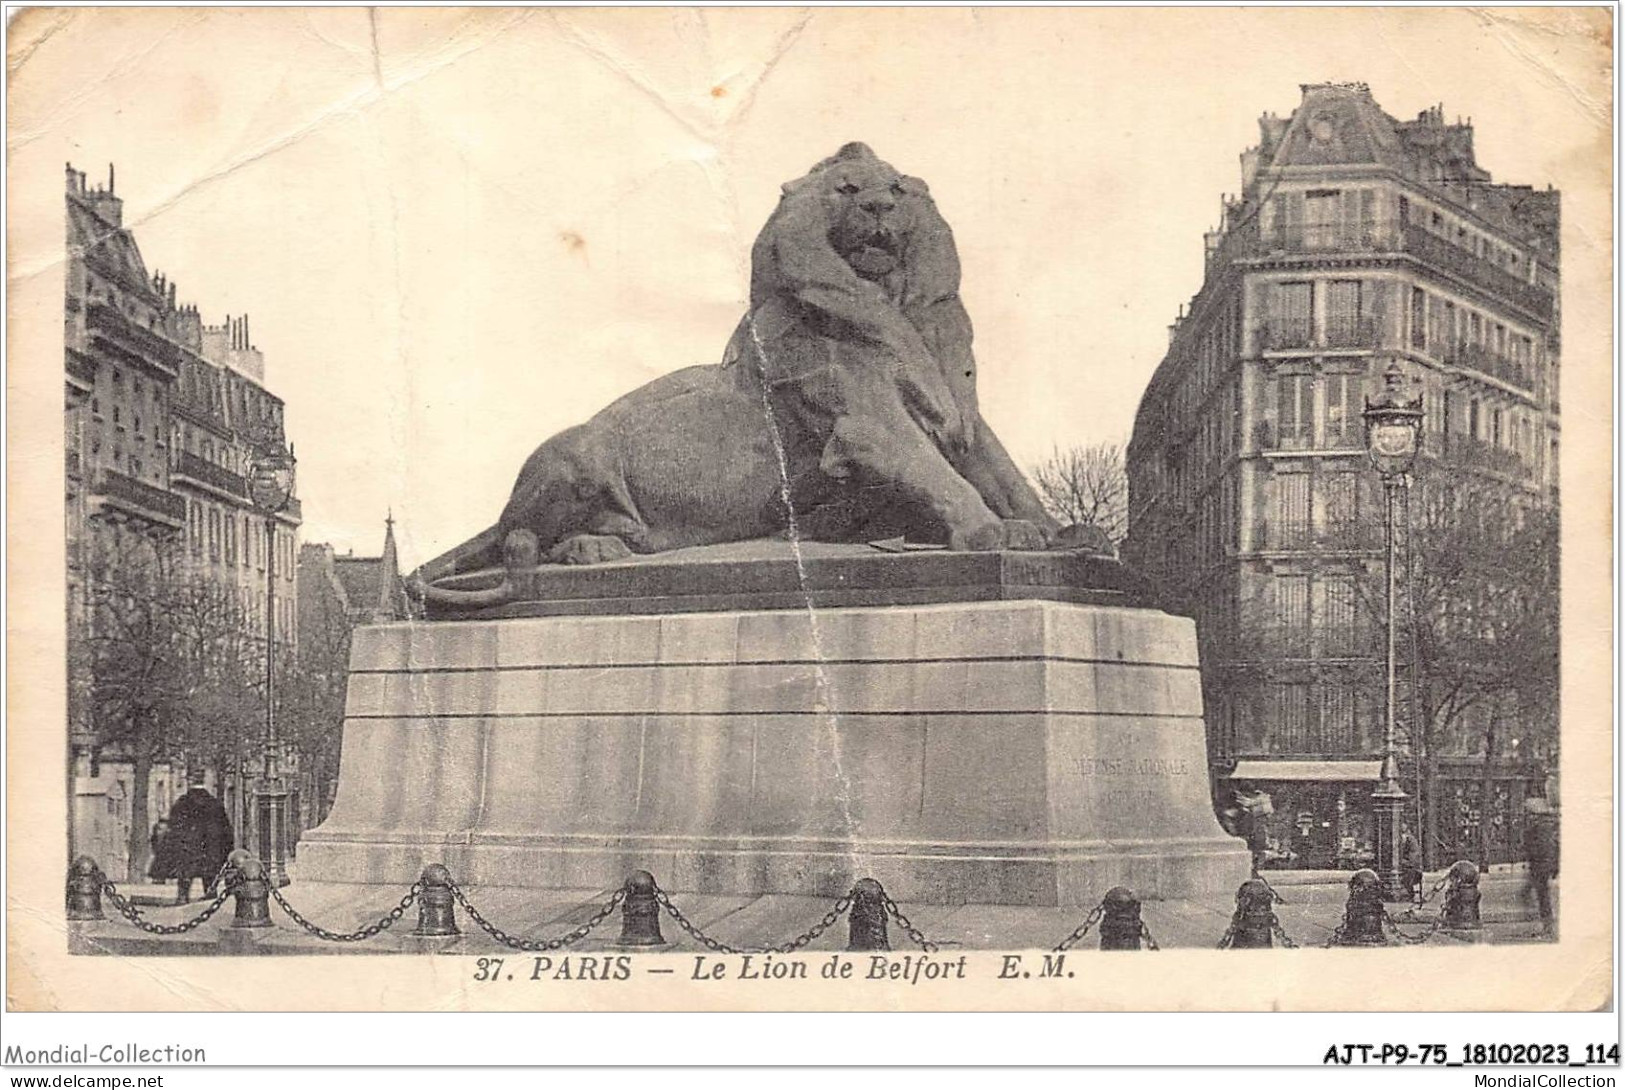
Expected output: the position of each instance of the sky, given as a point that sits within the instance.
(457, 232)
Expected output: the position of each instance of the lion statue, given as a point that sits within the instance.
(844, 409)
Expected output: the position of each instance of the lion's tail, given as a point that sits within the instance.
(483, 550)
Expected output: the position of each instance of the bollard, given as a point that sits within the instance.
(85, 890)
(1254, 921)
(1363, 916)
(1461, 897)
(640, 912)
(253, 893)
(437, 908)
(866, 927)
(1120, 925)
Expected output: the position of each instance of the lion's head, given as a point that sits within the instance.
(870, 208)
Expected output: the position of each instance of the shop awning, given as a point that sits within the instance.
(1307, 770)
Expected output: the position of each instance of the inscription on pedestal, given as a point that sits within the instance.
(1120, 781)
(1133, 766)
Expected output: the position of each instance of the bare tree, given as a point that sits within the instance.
(1086, 484)
(167, 659)
(134, 662)
(1485, 579)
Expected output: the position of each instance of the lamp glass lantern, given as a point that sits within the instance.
(272, 482)
(1393, 426)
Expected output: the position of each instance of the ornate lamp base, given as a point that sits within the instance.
(1387, 804)
(271, 817)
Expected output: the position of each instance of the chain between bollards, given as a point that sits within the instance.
(1365, 921)
(538, 946)
(1082, 930)
(838, 910)
(908, 928)
(133, 914)
(379, 927)
(87, 885)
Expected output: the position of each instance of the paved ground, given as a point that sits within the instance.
(1311, 909)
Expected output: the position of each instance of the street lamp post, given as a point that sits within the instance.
(1393, 431)
(273, 490)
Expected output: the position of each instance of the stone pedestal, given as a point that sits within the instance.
(1001, 752)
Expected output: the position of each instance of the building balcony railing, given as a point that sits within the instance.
(1447, 256)
(1286, 333)
(189, 466)
(1285, 533)
(140, 499)
(1377, 236)
(1344, 436)
(1349, 535)
(1486, 360)
(1305, 641)
(1267, 436)
(108, 323)
(1465, 450)
(1322, 238)
(1298, 333)
(1331, 535)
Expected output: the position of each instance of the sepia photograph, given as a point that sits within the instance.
(771, 509)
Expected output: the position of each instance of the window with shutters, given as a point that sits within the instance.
(1292, 613)
(1322, 209)
(1337, 625)
(1291, 315)
(1291, 514)
(1294, 411)
(1292, 719)
(1346, 323)
(1337, 509)
(1343, 424)
(1419, 318)
(1338, 734)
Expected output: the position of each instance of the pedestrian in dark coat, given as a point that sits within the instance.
(160, 870)
(1540, 843)
(199, 840)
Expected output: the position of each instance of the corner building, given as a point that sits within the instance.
(162, 415)
(1357, 240)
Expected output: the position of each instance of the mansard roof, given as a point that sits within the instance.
(110, 250)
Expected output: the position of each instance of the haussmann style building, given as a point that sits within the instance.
(163, 416)
(1357, 241)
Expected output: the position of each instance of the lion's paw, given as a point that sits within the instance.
(1015, 534)
(1022, 535)
(589, 549)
